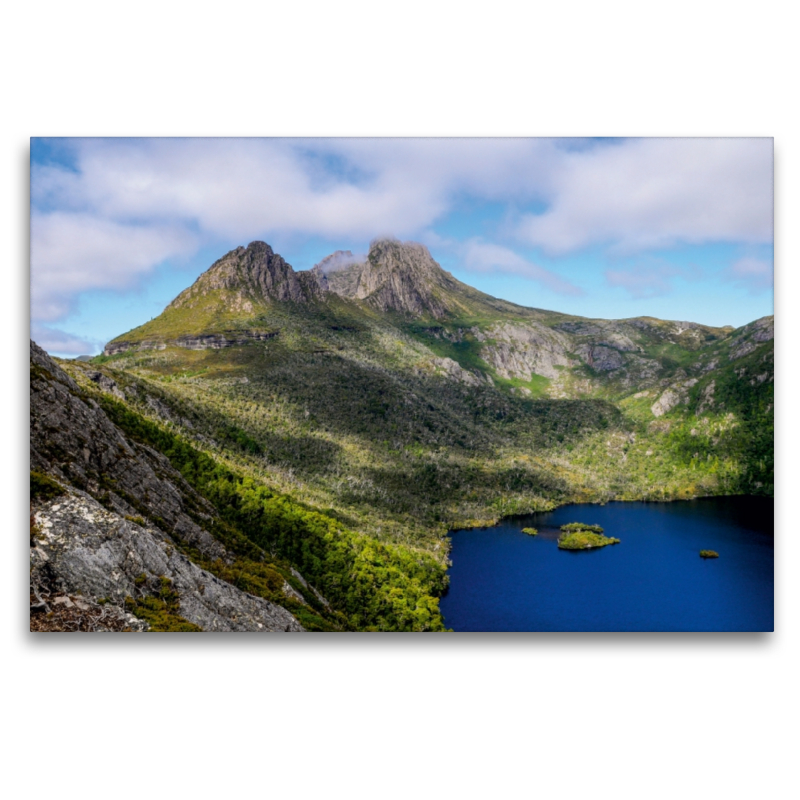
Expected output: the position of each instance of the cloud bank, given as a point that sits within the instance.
(656, 193)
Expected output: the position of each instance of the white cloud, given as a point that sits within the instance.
(654, 193)
(126, 205)
(645, 281)
(753, 273)
(481, 256)
(75, 252)
(237, 188)
(339, 260)
(56, 341)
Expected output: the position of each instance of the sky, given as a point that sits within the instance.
(678, 228)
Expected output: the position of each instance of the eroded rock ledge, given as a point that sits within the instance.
(207, 341)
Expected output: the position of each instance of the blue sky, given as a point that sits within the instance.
(672, 228)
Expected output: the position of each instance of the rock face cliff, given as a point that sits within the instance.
(116, 521)
(399, 276)
(254, 274)
(519, 351)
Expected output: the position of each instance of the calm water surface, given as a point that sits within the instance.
(654, 580)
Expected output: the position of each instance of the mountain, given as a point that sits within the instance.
(376, 402)
(404, 278)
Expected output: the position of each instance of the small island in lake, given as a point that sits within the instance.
(530, 531)
(709, 554)
(580, 536)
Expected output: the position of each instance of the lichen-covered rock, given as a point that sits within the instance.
(82, 548)
(72, 439)
(671, 398)
(600, 357)
(522, 350)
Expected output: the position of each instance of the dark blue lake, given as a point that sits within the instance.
(654, 580)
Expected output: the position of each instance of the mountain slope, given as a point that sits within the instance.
(127, 516)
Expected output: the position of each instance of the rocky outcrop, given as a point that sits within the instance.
(453, 370)
(337, 261)
(690, 335)
(206, 341)
(313, 284)
(72, 439)
(606, 333)
(116, 347)
(600, 357)
(81, 548)
(747, 339)
(107, 384)
(254, 274)
(399, 276)
(675, 395)
(520, 350)
(147, 510)
(706, 398)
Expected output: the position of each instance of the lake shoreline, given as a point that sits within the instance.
(503, 579)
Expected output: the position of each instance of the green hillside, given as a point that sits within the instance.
(402, 403)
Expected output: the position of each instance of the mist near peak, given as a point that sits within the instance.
(340, 260)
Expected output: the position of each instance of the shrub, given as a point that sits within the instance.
(43, 487)
(574, 527)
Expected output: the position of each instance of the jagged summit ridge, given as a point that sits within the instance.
(399, 276)
(394, 276)
(253, 273)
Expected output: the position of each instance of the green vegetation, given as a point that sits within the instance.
(530, 531)
(709, 554)
(267, 580)
(573, 527)
(584, 540)
(44, 488)
(376, 586)
(160, 610)
(580, 536)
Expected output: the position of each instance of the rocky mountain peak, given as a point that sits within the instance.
(398, 276)
(254, 273)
